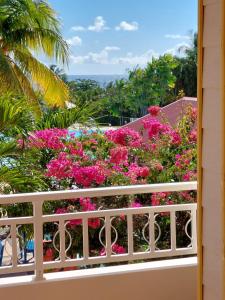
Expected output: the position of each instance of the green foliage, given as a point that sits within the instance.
(151, 86)
(16, 119)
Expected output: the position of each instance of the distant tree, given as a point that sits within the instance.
(152, 85)
(59, 72)
(186, 70)
(83, 91)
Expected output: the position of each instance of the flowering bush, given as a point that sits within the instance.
(117, 157)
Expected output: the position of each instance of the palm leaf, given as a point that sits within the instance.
(7, 75)
(8, 149)
(13, 180)
(14, 113)
(55, 91)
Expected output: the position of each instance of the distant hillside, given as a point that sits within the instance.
(101, 79)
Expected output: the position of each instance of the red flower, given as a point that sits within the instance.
(154, 110)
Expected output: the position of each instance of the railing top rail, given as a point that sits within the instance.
(103, 213)
(98, 192)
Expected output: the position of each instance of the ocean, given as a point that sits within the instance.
(103, 80)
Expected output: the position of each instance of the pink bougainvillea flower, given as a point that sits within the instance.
(175, 138)
(48, 138)
(135, 204)
(119, 155)
(190, 175)
(158, 166)
(155, 127)
(125, 137)
(154, 110)
(61, 210)
(193, 136)
(144, 172)
(194, 113)
(87, 205)
(72, 223)
(158, 198)
(59, 167)
(76, 149)
(118, 249)
(86, 176)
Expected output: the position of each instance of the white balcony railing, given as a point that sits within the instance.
(107, 233)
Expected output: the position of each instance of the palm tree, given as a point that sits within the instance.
(29, 27)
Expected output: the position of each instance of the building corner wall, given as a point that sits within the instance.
(211, 150)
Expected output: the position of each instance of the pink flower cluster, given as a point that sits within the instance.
(60, 167)
(86, 176)
(190, 176)
(116, 248)
(135, 204)
(175, 138)
(154, 110)
(184, 159)
(48, 138)
(193, 136)
(135, 171)
(155, 127)
(125, 137)
(161, 199)
(76, 149)
(63, 167)
(119, 155)
(86, 205)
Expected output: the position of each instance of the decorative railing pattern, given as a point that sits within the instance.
(62, 239)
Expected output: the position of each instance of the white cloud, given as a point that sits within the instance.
(74, 41)
(104, 58)
(78, 28)
(133, 26)
(178, 49)
(177, 36)
(99, 25)
(133, 60)
(101, 57)
(79, 59)
(111, 48)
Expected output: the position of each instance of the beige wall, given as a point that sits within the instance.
(212, 160)
(171, 283)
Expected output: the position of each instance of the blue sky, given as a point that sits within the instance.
(111, 36)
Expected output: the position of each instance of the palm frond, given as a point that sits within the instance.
(8, 148)
(13, 180)
(55, 91)
(33, 24)
(64, 118)
(7, 75)
(14, 113)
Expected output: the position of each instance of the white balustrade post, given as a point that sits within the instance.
(108, 236)
(152, 231)
(38, 240)
(130, 234)
(173, 237)
(194, 229)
